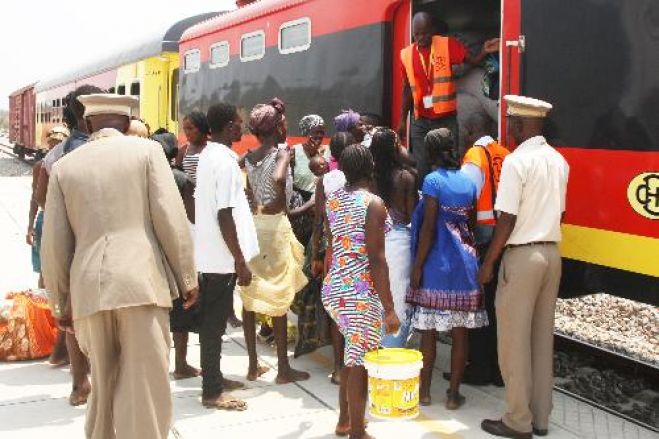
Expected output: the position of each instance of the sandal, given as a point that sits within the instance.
(229, 404)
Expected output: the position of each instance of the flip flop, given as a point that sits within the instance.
(232, 404)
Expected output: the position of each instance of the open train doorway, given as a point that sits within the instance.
(472, 22)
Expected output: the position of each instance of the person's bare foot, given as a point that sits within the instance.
(224, 402)
(231, 385)
(363, 435)
(335, 378)
(425, 400)
(235, 322)
(79, 394)
(58, 361)
(253, 374)
(342, 429)
(186, 372)
(290, 376)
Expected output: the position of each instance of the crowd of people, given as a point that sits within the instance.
(367, 241)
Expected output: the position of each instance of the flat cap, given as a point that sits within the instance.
(106, 103)
(522, 106)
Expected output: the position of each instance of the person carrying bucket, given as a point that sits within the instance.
(356, 291)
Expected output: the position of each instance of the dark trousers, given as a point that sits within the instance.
(418, 130)
(216, 305)
(483, 352)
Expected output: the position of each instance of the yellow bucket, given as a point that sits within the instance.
(393, 383)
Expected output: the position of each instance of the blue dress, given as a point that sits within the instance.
(450, 295)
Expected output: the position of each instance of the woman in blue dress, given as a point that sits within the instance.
(444, 292)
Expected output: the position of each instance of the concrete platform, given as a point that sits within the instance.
(33, 395)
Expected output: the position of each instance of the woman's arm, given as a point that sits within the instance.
(426, 238)
(375, 219)
(34, 207)
(178, 161)
(411, 194)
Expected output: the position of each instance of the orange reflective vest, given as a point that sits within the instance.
(443, 87)
(490, 160)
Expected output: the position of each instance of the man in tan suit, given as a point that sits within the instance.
(116, 250)
(531, 202)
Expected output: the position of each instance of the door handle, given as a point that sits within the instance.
(520, 43)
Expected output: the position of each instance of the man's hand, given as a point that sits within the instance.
(391, 322)
(244, 274)
(190, 298)
(486, 273)
(29, 237)
(491, 46)
(65, 323)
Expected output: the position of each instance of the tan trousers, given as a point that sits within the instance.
(529, 278)
(128, 350)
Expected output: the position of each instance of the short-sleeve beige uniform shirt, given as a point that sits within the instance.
(533, 187)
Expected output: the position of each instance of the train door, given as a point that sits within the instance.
(472, 22)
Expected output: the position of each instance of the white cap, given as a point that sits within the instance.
(522, 106)
(106, 103)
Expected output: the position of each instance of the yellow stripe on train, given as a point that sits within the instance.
(638, 254)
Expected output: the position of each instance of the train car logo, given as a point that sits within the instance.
(643, 194)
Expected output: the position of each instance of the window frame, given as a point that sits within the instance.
(293, 23)
(185, 56)
(210, 53)
(243, 37)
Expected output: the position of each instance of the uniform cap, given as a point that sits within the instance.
(106, 103)
(522, 106)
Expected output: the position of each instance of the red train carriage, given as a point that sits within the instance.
(596, 61)
(22, 121)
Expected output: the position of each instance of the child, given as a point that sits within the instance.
(318, 166)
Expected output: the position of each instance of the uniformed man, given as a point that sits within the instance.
(482, 164)
(429, 88)
(116, 250)
(531, 202)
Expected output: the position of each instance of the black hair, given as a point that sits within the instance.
(198, 119)
(383, 149)
(169, 144)
(160, 131)
(220, 115)
(440, 145)
(339, 142)
(74, 109)
(356, 163)
(374, 119)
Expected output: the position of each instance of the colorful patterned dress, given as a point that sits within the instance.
(450, 295)
(348, 294)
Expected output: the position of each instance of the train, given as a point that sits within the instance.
(324, 56)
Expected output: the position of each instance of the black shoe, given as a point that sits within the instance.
(540, 431)
(498, 380)
(498, 428)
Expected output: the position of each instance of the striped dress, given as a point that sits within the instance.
(348, 294)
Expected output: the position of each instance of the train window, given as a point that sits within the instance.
(121, 89)
(192, 61)
(295, 36)
(111, 90)
(135, 88)
(54, 103)
(252, 46)
(219, 55)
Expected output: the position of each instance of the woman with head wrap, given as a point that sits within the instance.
(350, 122)
(277, 271)
(444, 291)
(396, 185)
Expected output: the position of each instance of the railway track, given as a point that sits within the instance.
(604, 379)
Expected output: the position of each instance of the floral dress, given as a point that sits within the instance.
(348, 294)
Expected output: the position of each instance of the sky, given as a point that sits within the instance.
(40, 38)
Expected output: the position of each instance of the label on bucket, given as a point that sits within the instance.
(393, 399)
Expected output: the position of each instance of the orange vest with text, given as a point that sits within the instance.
(443, 87)
(491, 170)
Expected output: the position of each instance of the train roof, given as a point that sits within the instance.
(22, 89)
(165, 41)
(249, 12)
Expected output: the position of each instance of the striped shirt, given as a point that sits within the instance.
(189, 164)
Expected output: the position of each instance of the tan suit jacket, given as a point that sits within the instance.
(115, 233)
